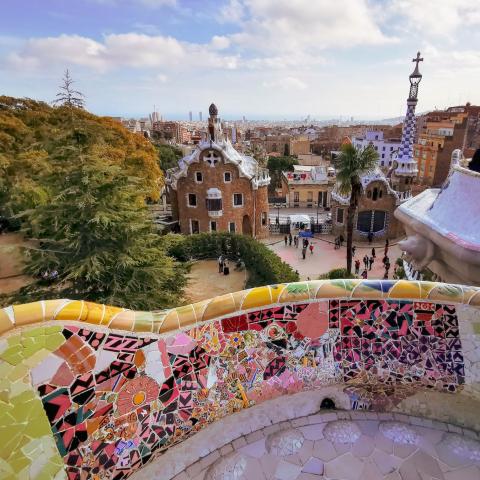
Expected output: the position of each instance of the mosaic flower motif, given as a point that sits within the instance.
(342, 431)
(399, 433)
(285, 442)
(137, 392)
(236, 340)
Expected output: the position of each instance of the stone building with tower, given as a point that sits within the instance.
(383, 193)
(216, 188)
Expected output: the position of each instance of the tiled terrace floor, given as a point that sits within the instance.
(345, 449)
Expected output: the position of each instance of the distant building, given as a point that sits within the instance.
(386, 148)
(200, 116)
(299, 145)
(380, 193)
(216, 188)
(308, 186)
(190, 116)
(171, 131)
(441, 133)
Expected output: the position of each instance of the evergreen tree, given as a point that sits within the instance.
(67, 96)
(96, 233)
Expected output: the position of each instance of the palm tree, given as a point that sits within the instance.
(352, 163)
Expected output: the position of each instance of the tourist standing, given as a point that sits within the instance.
(373, 252)
(285, 239)
(370, 237)
(226, 267)
(357, 266)
(353, 250)
(386, 247)
(220, 264)
(365, 274)
(304, 251)
(370, 261)
(365, 261)
(290, 238)
(311, 248)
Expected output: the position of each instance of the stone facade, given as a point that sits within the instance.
(216, 188)
(378, 201)
(251, 218)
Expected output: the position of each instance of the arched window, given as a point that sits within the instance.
(375, 194)
(380, 193)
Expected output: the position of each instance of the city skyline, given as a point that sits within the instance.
(263, 59)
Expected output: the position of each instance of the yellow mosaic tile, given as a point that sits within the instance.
(186, 315)
(276, 291)
(219, 306)
(332, 289)
(28, 313)
(123, 321)
(405, 289)
(257, 297)
(72, 311)
(51, 307)
(170, 322)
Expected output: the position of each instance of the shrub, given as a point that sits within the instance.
(264, 266)
(336, 273)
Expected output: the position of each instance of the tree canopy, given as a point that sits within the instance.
(168, 156)
(78, 183)
(277, 165)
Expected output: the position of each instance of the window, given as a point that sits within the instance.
(231, 227)
(296, 197)
(194, 226)
(264, 218)
(213, 226)
(310, 197)
(375, 194)
(238, 199)
(339, 215)
(198, 177)
(214, 204)
(383, 148)
(383, 163)
(192, 200)
(380, 193)
(227, 177)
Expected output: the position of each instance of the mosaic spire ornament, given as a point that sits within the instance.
(406, 163)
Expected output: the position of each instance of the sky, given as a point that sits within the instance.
(265, 59)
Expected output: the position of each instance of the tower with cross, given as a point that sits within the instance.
(406, 169)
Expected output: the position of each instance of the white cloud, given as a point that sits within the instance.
(435, 17)
(220, 42)
(307, 26)
(286, 83)
(117, 51)
(231, 12)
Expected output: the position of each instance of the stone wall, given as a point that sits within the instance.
(255, 201)
(92, 390)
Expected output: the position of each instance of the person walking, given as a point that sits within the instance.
(285, 239)
(341, 239)
(370, 261)
(357, 266)
(311, 249)
(373, 252)
(298, 241)
(220, 264)
(226, 267)
(290, 238)
(365, 274)
(353, 250)
(304, 251)
(365, 261)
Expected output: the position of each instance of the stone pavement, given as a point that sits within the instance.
(325, 257)
(348, 446)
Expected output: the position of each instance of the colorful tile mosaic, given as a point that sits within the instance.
(104, 402)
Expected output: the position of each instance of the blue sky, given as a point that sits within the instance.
(259, 58)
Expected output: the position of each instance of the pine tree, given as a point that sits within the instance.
(98, 236)
(67, 96)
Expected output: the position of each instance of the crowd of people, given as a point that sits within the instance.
(360, 270)
(306, 244)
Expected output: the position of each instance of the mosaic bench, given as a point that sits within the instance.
(93, 391)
